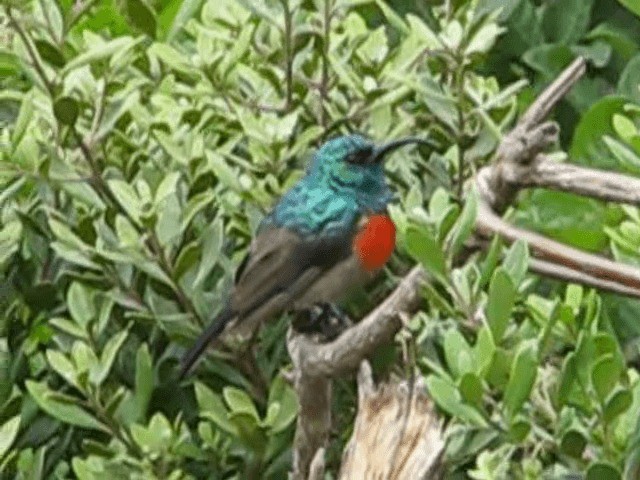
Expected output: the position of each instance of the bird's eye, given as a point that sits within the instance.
(360, 156)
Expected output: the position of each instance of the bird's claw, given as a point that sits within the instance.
(324, 319)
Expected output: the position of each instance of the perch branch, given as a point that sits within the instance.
(347, 351)
(314, 364)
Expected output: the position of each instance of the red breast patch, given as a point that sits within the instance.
(375, 242)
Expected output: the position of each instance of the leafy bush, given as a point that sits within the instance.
(142, 143)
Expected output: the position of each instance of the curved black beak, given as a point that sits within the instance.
(380, 152)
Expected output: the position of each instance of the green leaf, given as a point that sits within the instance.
(212, 407)
(484, 39)
(49, 14)
(519, 429)
(604, 375)
(62, 407)
(566, 21)
(63, 366)
(447, 397)
(144, 381)
(117, 107)
(464, 225)
(223, 172)
(423, 246)
(187, 259)
(628, 81)
(618, 403)
(171, 57)
(516, 262)
(239, 401)
(49, 53)
(8, 433)
(25, 116)
(597, 53)
(69, 327)
(586, 146)
(211, 249)
(624, 127)
(194, 205)
(548, 59)
(627, 157)
(174, 16)
(457, 353)
(66, 110)
(80, 304)
(156, 437)
(602, 471)
(573, 297)
(392, 17)
(522, 378)
(483, 351)
(141, 16)
(573, 443)
(282, 395)
(471, 389)
(633, 6)
(502, 298)
(109, 352)
(249, 432)
(99, 52)
(127, 198)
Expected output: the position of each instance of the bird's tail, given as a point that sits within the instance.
(214, 329)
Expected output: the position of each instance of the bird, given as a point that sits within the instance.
(329, 233)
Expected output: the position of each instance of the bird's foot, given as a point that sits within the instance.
(324, 319)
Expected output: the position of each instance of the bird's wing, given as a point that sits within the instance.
(280, 266)
(280, 261)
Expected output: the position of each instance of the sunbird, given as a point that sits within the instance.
(328, 234)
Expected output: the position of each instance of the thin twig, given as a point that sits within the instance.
(288, 51)
(570, 275)
(324, 80)
(541, 108)
(31, 52)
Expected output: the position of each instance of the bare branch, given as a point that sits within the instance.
(586, 266)
(561, 272)
(600, 184)
(546, 102)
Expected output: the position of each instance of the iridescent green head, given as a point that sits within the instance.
(345, 180)
(354, 162)
(346, 163)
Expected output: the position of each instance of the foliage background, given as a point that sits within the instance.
(141, 142)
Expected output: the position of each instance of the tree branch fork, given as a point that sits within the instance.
(519, 163)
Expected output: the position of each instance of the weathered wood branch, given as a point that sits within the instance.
(589, 182)
(569, 263)
(378, 448)
(315, 363)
